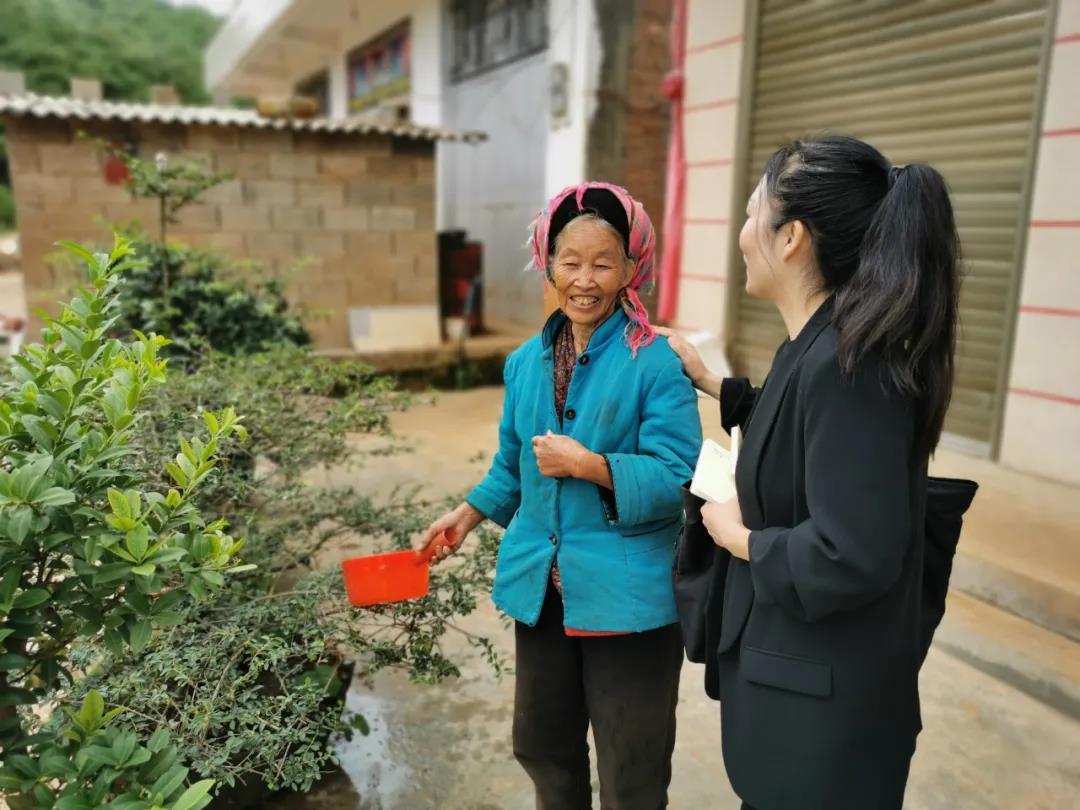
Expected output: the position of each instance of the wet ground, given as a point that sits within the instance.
(985, 746)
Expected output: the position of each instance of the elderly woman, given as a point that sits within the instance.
(600, 428)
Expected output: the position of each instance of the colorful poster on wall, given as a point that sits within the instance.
(380, 69)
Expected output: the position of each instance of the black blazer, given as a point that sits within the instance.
(818, 638)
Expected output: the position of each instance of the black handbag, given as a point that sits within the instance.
(696, 560)
(699, 563)
(947, 499)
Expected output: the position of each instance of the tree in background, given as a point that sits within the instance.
(128, 45)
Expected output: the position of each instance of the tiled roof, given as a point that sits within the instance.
(30, 105)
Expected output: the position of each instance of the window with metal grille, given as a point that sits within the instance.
(487, 34)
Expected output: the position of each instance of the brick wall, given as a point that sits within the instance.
(349, 219)
(628, 131)
(648, 112)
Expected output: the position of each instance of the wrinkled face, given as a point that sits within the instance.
(589, 270)
(761, 246)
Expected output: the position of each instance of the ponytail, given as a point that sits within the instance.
(885, 244)
(902, 300)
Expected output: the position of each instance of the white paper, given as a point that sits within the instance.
(714, 476)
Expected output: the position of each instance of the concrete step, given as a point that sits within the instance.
(1027, 594)
(1020, 547)
(1040, 662)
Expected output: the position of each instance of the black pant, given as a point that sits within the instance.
(626, 686)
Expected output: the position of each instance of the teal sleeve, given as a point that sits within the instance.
(498, 496)
(647, 483)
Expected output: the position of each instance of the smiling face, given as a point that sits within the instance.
(780, 261)
(589, 269)
(761, 246)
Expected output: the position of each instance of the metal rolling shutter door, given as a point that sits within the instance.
(951, 83)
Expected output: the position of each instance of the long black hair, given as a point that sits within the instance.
(885, 243)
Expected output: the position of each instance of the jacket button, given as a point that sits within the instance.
(584, 360)
(554, 539)
(570, 414)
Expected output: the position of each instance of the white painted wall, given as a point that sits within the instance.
(248, 23)
(574, 40)
(493, 189)
(713, 74)
(339, 88)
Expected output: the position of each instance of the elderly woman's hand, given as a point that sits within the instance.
(560, 456)
(724, 523)
(456, 525)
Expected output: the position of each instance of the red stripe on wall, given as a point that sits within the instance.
(707, 164)
(711, 46)
(1058, 311)
(1061, 133)
(701, 277)
(1055, 223)
(1059, 398)
(1067, 38)
(711, 105)
(705, 221)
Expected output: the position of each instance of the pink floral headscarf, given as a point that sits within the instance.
(641, 249)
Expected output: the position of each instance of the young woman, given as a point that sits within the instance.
(814, 626)
(600, 428)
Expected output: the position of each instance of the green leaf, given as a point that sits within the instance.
(134, 503)
(177, 474)
(168, 618)
(140, 635)
(168, 601)
(19, 523)
(78, 250)
(146, 570)
(31, 598)
(11, 696)
(158, 740)
(52, 406)
(119, 552)
(9, 583)
(72, 803)
(114, 642)
(40, 431)
(55, 496)
(93, 707)
(214, 578)
(111, 572)
(119, 503)
(137, 542)
(14, 662)
(124, 747)
(195, 797)
(169, 782)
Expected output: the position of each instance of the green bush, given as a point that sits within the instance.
(288, 629)
(94, 552)
(199, 308)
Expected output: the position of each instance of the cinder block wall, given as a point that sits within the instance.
(348, 219)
